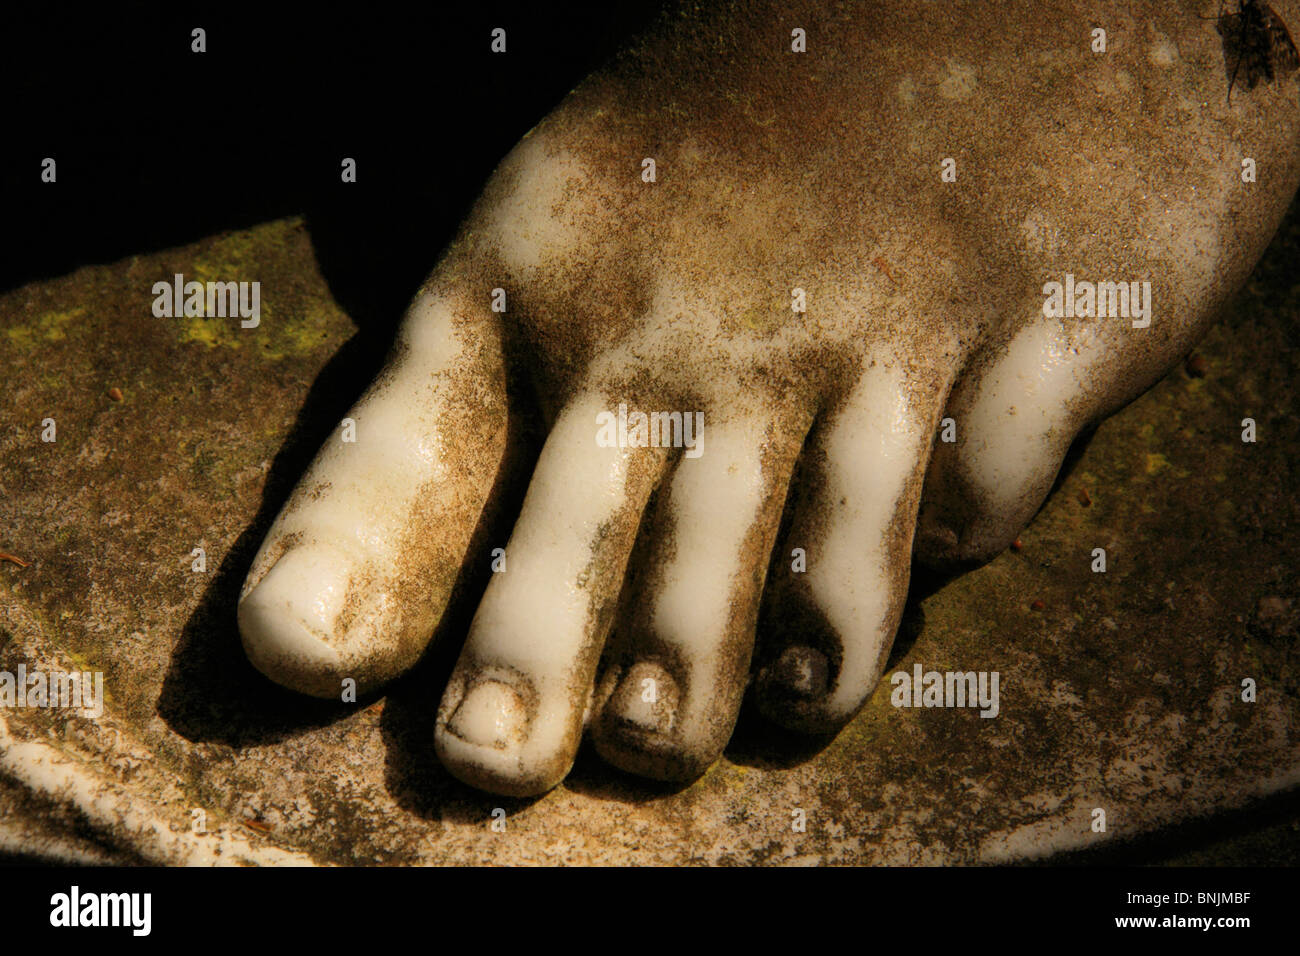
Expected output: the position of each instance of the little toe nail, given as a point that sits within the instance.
(937, 536)
(491, 715)
(802, 672)
(646, 698)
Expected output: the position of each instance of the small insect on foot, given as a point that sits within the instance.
(1256, 44)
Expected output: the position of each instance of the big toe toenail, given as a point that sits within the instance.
(285, 622)
(646, 698)
(802, 672)
(491, 715)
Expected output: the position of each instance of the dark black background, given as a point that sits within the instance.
(158, 146)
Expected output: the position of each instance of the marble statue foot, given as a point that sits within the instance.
(801, 291)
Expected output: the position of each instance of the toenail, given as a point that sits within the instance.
(491, 715)
(941, 537)
(646, 698)
(307, 583)
(802, 671)
(288, 621)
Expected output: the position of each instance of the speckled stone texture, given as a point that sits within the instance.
(1118, 690)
